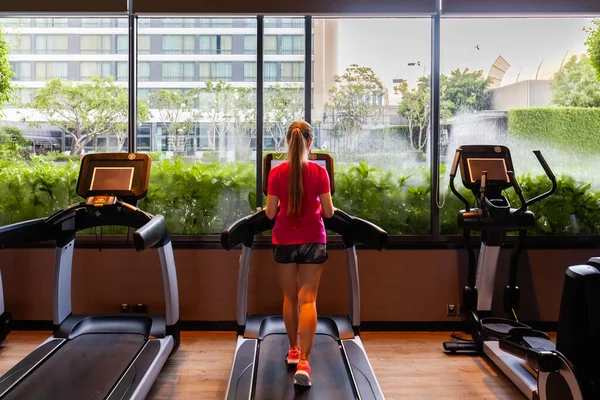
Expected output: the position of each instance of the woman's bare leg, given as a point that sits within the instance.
(308, 282)
(288, 279)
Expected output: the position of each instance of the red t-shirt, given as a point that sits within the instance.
(307, 228)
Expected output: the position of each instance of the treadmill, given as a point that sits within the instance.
(92, 357)
(340, 367)
(5, 316)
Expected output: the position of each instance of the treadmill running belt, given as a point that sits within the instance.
(85, 368)
(275, 380)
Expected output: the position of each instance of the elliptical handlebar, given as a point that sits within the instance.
(550, 175)
(518, 190)
(457, 157)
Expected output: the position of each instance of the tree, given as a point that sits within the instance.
(593, 45)
(85, 111)
(353, 103)
(244, 121)
(6, 73)
(464, 91)
(217, 104)
(175, 111)
(283, 105)
(11, 135)
(415, 108)
(12, 142)
(575, 85)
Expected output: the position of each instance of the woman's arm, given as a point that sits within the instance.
(327, 205)
(272, 204)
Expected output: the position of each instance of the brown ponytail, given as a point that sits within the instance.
(298, 136)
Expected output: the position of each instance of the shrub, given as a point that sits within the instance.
(576, 129)
(204, 198)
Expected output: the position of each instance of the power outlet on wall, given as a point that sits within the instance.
(451, 310)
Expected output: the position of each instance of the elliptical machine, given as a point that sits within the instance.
(538, 367)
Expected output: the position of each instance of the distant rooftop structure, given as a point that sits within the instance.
(524, 94)
(497, 71)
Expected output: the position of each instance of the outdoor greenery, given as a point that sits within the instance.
(85, 111)
(593, 45)
(461, 91)
(575, 84)
(6, 73)
(204, 198)
(550, 125)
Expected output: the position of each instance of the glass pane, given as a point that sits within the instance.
(502, 84)
(382, 174)
(284, 94)
(200, 128)
(52, 117)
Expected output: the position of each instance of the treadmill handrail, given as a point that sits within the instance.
(152, 233)
(351, 228)
(25, 232)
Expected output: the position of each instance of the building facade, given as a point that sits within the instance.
(173, 54)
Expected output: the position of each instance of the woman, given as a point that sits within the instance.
(301, 189)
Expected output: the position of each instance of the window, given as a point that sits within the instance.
(22, 71)
(250, 22)
(96, 22)
(250, 44)
(123, 44)
(250, 71)
(19, 44)
(51, 22)
(270, 44)
(143, 44)
(292, 44)
(89, 70)
(215, 71)
(352, 70)
(527, 96)
(211, 127)
(216, 23)
(53, 60)
(178, 71)
(49, 70)
(215, 44)
(270, 72)
(292, 71)
(292, 23)
(123, 71)
(16, 22)
(179, 22)
(51, 44)
(95, 44)
(143, 94)
(176, 44)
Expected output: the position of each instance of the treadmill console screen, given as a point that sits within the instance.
(112, 178)
(275, 159)
(495, 167)
(114, 174)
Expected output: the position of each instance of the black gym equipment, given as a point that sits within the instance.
(538, 367)
(340, 367)
(96, 357)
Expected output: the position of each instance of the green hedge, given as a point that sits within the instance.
(576, 129)
(204, 198)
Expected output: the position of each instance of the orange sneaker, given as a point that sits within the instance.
(302, 375)
(293, 356)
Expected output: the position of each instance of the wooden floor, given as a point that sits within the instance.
(407, 365)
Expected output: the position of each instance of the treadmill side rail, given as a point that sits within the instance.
(137, 381)
(242, 369)
(28, 364)
(362, 372)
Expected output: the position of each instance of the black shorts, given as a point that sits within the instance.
(301, 254)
